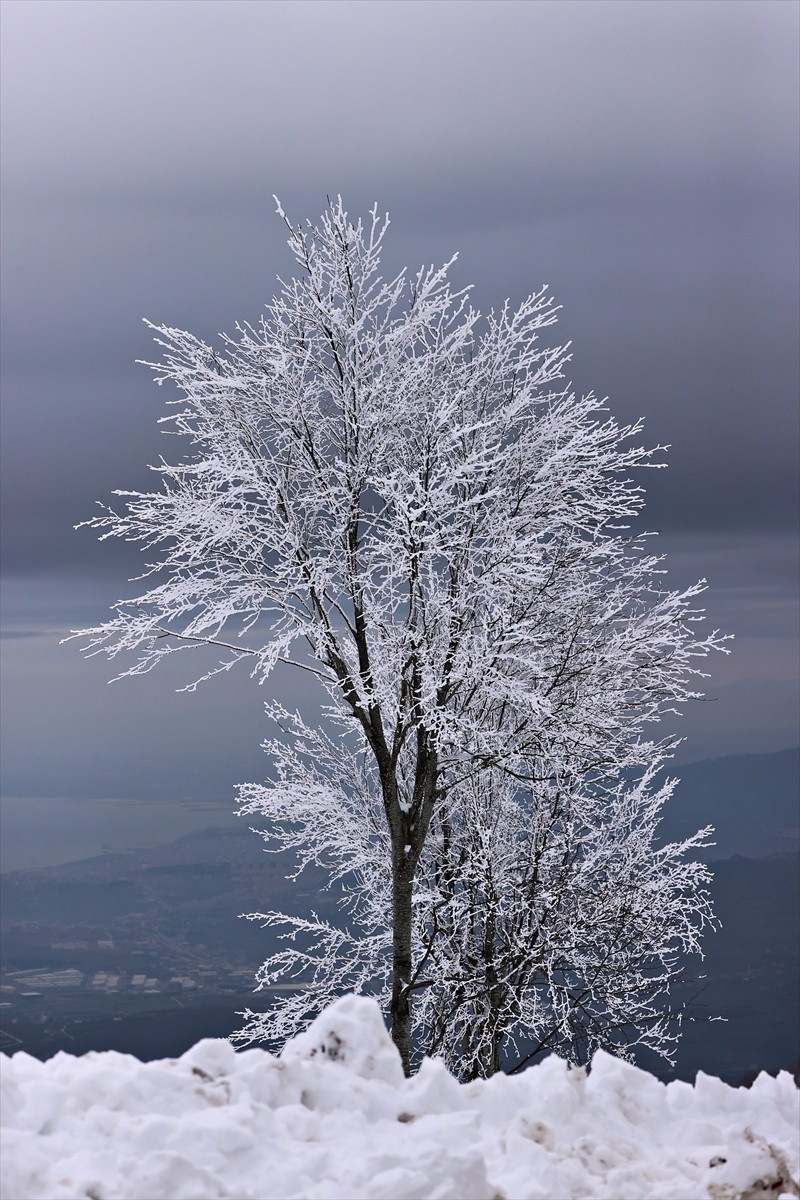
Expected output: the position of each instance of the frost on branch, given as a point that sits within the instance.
(402, 498)
(546, 916)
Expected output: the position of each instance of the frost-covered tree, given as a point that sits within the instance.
(400, 497)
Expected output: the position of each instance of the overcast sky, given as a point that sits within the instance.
(639, 157)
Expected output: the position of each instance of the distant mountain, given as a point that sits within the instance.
(214, 844)
(752, 800)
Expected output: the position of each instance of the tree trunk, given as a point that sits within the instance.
(409, 829)
(402, 893)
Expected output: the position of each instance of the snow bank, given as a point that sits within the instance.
(334, 1119)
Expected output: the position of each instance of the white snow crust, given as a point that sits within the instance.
(334, 1119)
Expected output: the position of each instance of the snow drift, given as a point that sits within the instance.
(333, 1117)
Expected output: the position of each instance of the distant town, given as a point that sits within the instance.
(170, 935)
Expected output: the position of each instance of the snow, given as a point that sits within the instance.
(334, 1118)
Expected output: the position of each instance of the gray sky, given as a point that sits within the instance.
(640, 157)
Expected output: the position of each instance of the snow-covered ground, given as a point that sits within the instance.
(333, 1117)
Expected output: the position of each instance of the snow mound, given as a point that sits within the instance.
(334, 1119)
(350, 1032)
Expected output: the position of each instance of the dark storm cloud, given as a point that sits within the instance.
(636, 157)
(639, 158)
(117, 94)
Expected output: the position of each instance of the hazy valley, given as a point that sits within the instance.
(145, 952)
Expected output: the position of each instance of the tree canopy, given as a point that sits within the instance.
(400, 496)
